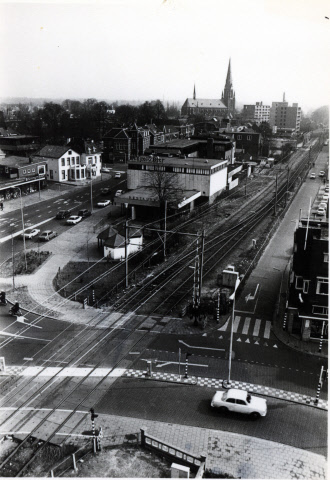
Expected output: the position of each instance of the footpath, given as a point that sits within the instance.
(237, 455)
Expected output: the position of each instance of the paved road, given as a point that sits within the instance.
(285, 422)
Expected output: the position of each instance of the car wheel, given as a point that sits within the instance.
(255, 415)
(223, 409)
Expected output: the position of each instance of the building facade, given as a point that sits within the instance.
(257, 113)
(284, 117)
(63, 163)
(308, 297)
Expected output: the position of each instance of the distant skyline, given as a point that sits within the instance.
(160, 49)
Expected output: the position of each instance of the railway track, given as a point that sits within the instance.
(159, 294)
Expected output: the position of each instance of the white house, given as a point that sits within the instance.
(114, 245)
(63, 163)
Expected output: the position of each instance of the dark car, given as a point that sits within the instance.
(105, 191)
(62, 214)
(84, 213)
(47, 235)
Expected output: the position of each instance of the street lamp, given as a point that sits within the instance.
(227, 383)
(90, 169)
(22, 214)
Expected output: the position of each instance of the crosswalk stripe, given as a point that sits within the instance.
(246, 326)
(267, 329)
(236, 323)
(256, 327)
(224, 327)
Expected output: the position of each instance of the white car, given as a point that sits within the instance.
(118, 193)
(105, 170)
(31, 232)
(321, 174)
(73, 220)
(326, 189)
(312, 175)
(117, 175)
(235, 400)
(47, 235)
(103, 203)
(321, 211)
(322, 205)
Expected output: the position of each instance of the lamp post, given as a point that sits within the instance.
(22, 214)
(90, 168)
(227, 383)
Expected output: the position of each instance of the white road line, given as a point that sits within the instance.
(256, 328)
(246, 326)
(236, 323)
(267, 329)
(224, 327)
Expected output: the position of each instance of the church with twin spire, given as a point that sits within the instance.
(224, 107)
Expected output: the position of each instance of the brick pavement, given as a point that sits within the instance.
(230, 454)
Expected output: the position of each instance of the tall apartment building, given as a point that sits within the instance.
(284, 117)
(257, 113)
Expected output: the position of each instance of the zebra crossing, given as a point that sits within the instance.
(242, 325)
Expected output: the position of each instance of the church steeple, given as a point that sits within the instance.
(194, 95)
(229, 81)
(228, 96)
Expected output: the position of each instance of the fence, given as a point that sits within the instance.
(152, 443)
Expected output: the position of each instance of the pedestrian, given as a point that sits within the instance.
(1, 206)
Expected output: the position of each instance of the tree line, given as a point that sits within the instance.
(55, 123)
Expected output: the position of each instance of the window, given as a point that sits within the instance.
(326, 257)
(230, 400)
(319, 310)
(77, 160)
(240, 402)
(322, 286)
(299, 283)
(63, 174)
(306, 286)
(70, 152)
(63, 162)
(24, 171)
(51, 174)
(33, 169)
(249, 137)
(68, 161)
(239, 137)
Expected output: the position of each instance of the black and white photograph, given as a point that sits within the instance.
(164, 238)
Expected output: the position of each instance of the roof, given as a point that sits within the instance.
(115, 241)
(108, 232)
(52, 151)
(205, 103)
(206, 164)
(14, 161)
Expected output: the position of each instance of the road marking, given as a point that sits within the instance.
(5, 334)
(246, 325)
(202, 348)
(224, 327)
(267, 329)
(256, 327)
(179, 363)
(236, 323)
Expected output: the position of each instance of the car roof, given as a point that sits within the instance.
(233, 392)
(46, 231)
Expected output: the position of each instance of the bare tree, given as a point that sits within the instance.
(167, 188)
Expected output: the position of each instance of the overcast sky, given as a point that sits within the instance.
(149, 49)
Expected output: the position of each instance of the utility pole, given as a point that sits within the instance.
(165, 231)
(93, 416)
(12, 259)
(201, 266)
(126, 256)
(287, 186)
(275, 203)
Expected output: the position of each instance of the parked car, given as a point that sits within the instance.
(31, 232)
(235, 400)
(63, 214)
(312, 175)
(84, 213)
(105, 191)
(103, 203)
(47, 235)
(73, 220)
(105, 170)
(326, 189)
(321, 211)
(117, 175)
(322, 205)
(118, 193)
(321, 174)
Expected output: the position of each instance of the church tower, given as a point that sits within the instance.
(228, 95)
